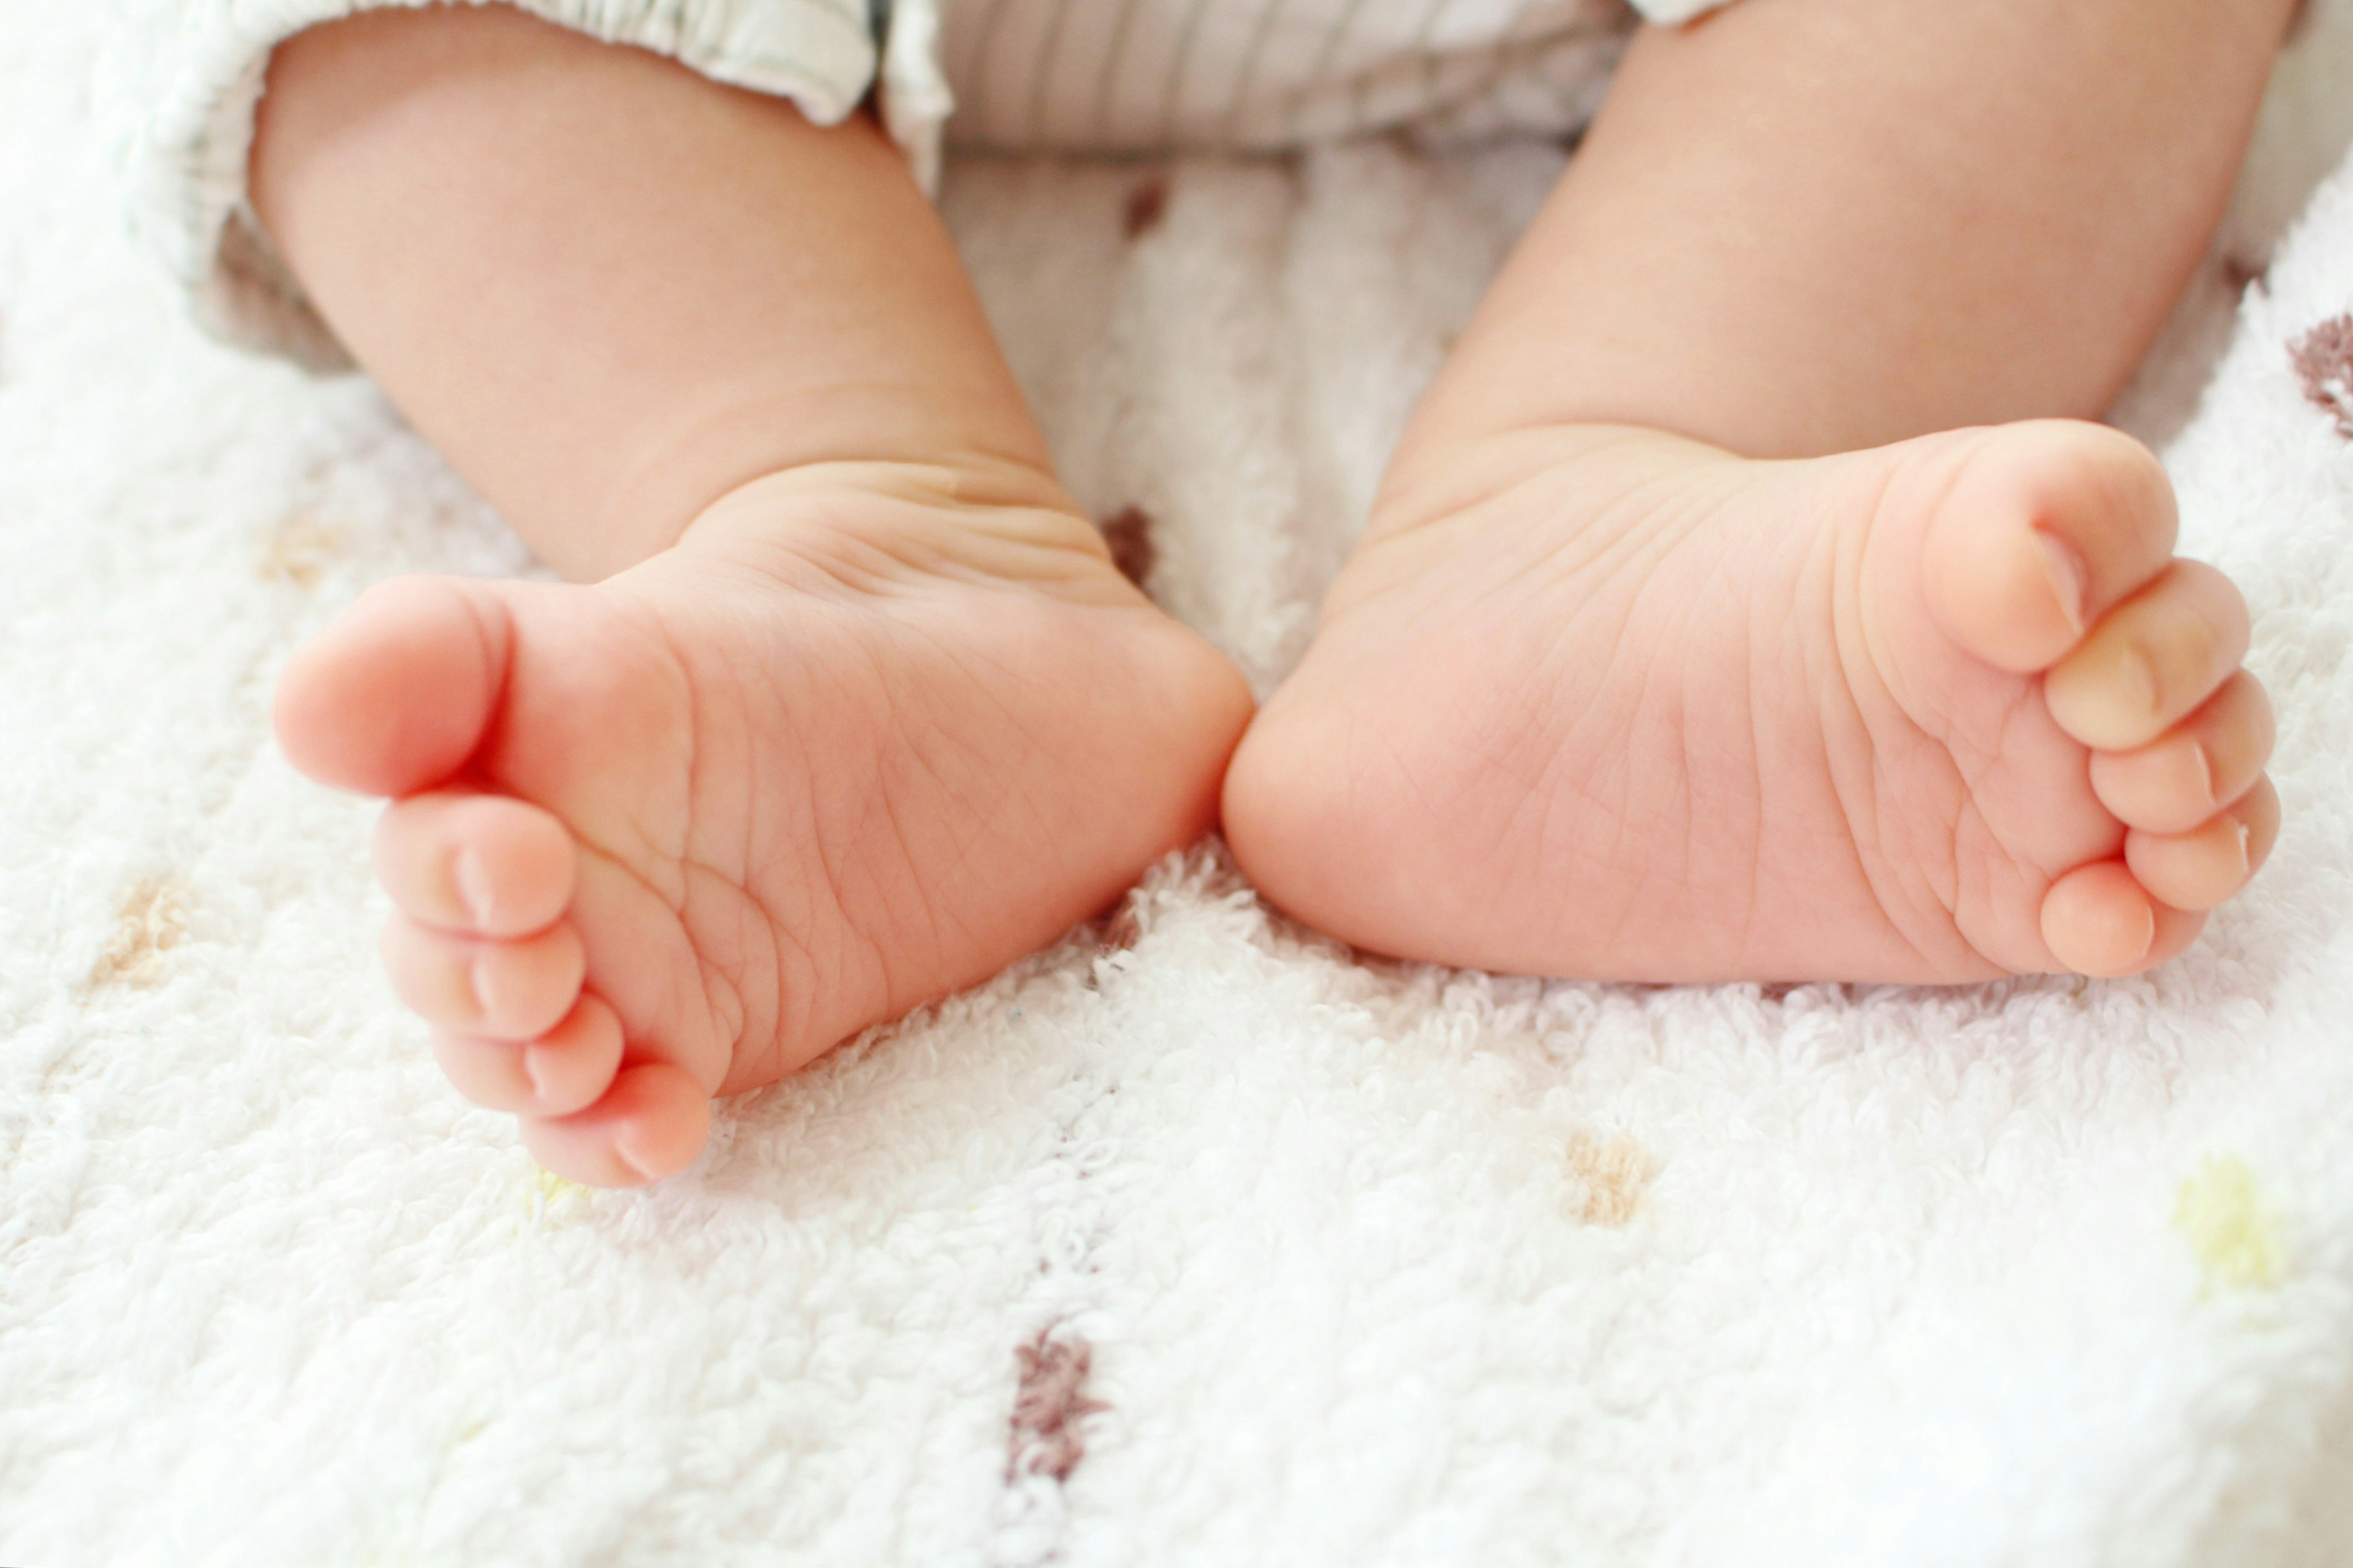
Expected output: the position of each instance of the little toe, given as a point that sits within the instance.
(2151, 662)
(2098, 920)
(2193, 770)
(651, 1124)
(566, 1070)
(2047, 525)
(500, 990)
(2201, 869)
(486, 864)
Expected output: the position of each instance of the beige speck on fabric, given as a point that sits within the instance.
(2232, 1227)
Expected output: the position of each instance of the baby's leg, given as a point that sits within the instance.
(857, 710)
(1601, 697)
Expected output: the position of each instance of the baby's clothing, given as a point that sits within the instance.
(1129, 76)
(1145, 74)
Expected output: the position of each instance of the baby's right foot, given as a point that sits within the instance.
(1613, 704)
(866, 735)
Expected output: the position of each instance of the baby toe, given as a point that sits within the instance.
(2151, 662)
(2046, 526)
(2201, 869)
(498, 990)
(486, 864)
(566, 1070)
(2193, 770)
(2098, 920)
(651, 1124)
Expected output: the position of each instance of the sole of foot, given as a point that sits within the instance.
(864, 736)
(1607, 703)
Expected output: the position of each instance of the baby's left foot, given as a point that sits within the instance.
(1608, 703)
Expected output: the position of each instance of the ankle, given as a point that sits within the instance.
(699, 461)
(1431, 480)
(961, 512)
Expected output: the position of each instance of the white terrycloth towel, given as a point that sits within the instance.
(1191, 1241)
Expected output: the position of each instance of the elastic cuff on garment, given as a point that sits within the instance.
(182, 79)
(1671, 13)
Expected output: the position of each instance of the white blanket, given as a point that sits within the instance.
(1193, 1240)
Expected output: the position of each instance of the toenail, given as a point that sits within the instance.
(2063, 565)
(486, 988)
(2246, 837)
(2205, 772)
(473, 879)
(629, 1159)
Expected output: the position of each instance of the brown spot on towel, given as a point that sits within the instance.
(153, 922)
(2323, 362)
(1614, 1171)
(1147, 204)
(1128, 532)
(1048, 1406)
(300, 550)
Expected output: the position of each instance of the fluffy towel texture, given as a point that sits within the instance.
(1192, 1240)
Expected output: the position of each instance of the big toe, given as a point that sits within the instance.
(394, 695)
(2042, 528)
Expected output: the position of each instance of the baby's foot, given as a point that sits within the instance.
(1610, 703)
(865, 735)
